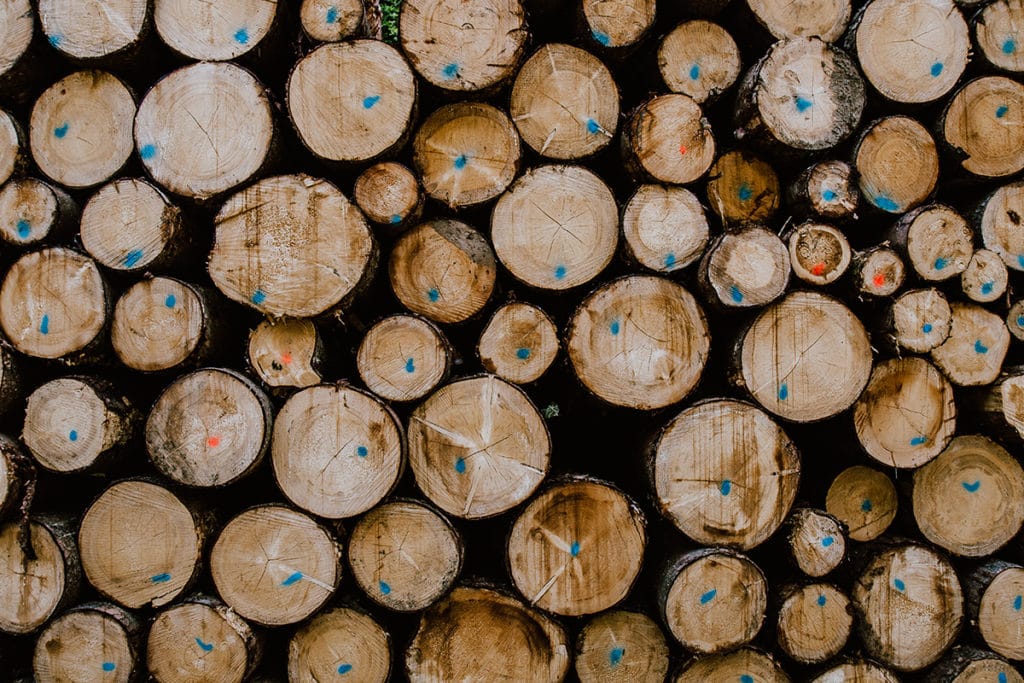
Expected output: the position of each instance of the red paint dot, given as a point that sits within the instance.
(213, 441)
(818, 269)
(682, 149)
(879, 280)
(286, 358)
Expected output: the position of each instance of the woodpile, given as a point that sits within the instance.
(512, 340)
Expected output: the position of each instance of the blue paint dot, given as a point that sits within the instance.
(559, 272)
(170, 301)
(396, 219)
(61, 130)
(886, 203)
(450, 70)
(1009, 46)
(73, 435)
(293, 578)
(1001, 111)
(362, 451)
(108, 666)
(614, 327)
(941, 263)
(926, 328)
(822, 600)
(460, 162)
(745, 192)
(972, 487)
(803, 104)
(1020, 321)
(574, 549)
(410, 365)
(736, 294)
(986, 287)
(827, 541)
(709, 596)
(936, 69)
(147, 152)
(522, 353)
(615, 656)
(899, 585)
(601, 37)
(670, 260)
(368, 102)
(783, 392)
(1020, 260)
(979, 347)
(23, 227)
(593, 126)
(384, 588)
(44, 325)
(259, 296)
(332, 18)
(1017, 603)
(694, 72)
(918, 440)
(866, 505)
(460, 465)
(207, 647)
(132, 258)
(434, 295)
(160, 578)
(242, 35)
(344, 668)
(55, 39)
(725, 487)
(746, 679)
(1002, 677)
(828, 195)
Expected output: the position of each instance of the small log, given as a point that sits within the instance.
(897, 162)
(909, 606)
(639, 342)
(363, 117)
(205, 128)
(519, 343)
(55, 304)
(80, 130)
(14, 158)
(447, 151)
(803, 94)
(745, 662)
(287, 352)
(965, 664)
(403, 358)
(818, 253)
(617, 23)
(93, 30)
(804, 358)
(825, 19)
(973, 354)
(201, 638)
(449, 644)
(982, 123)
(912, 51)
(33, 211)
(816, 541)
(91, 642)
(857, 671)
(985, 278)
(336, 451)
(664, 227)
(556, 227)
(1015, 320)
(78, 424)
(936, 240)
(35, 587)
(743, 189)
(906, 415)
(999, 407)
(141, 545)
(337, 643)
(813, 622)
(291, 245)
(331, 20)
(130, 225)
(274, 565)
(920, 320)
(745, 269)
(405, 555)
(389, 194)
(827, 189)
(621, 647)
(209, 428)
(713, 600)
(995, 30)
(202, 31)
(863, 499)
(992, 591)
(878, 271)
(565, 102)
(463, 46)
(444, 270)
(725, 473)
(478, 447)
(667, 139)
(1000, 224)
(700, 59)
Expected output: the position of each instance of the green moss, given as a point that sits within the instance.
(389, 20)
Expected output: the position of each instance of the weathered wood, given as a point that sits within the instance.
(403, 358)
(668, 140)
(519, 343)
(982, 123)
(816, 541)
(389, 194)
(91, 642)
(813, 622)
(745, 269)
(936, 240)
(621, 646)
(878, 271)
(202, 31)
(337, 643)
(827, 189)
(974, 351)
(743, 189)
(34, 587)
(287, 352)
(965, 664)
(16, 475)
(818, 253)
(700, 59)
(985, 278)
(992, 590)
(897, 162)
(863, 499)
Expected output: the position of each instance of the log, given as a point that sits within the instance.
(745, 269)
(17, 475)
(965, 664)
(920, 320)
(405, 555)
(974, 351)
(814, 622)
(995, 32)
(745, 662)
(287, 352)
(863, 499)
(667, 139)
(1000, 222)
(274, 566)
(478, 447)
(1015, 320)
(201, 31)
(826, 19)
(616, 24)
(936, 241)
(700, 59)
(93, 641)
(827, 189)
(556, 227)
(639, 342)
(909, 606)
(201, 638)
(985, 278)
(447, 644)
(141, 545)
(743, 189)
(337, 643)
(209, 428)
(897, 161)
(93, 30)
(858, 670)
(389, 194)
(713, 600)
(621, 646)
(818, 253)
(78, 424)
(34, 587)
(33, 212)
(10, 380)
(291, 245)
(999, 407)
(565, 102)
(991, 591)
(18, 23)
(982, 122)
(329, 20)
(724, 473)
(878, 271)
(336, 451)
(519, 343)
(664, 227)
(14, 158)
(403, 358)
(367, 115)
(444, 270)
(816, 541)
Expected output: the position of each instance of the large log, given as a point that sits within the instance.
(620, 646)
(90, 642)
(338, 643)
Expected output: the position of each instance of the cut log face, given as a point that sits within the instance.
(331, 20)
(336, 451)
(25, 604)
(814, 623)
(402, 358)
(93, 642)
(158, 324)
(340, 642)
(805, 358)
(404, 555)
(17, 24)
(639, 342)
(274, 565)
(478, 447)
(664, 227)
(670, 140)
(448, 644)
(290, 245)
(285, 352)
(129, 225)
(912, 51)
(205, 128)
(906, 415)
(11, 145)
(725, 473)
(200, 639)
(715, 600)
(209, 428)
(897, 163)
(985, 278)
(743, 663)
(1001, 229)
(35, 298)
(909, 606)
(864, 500)
(817, 541)
(357, 118)
(999, 620)
(556, 227)
(463, 46)
(519, 343)
(621, 647)
(95, 28)
(983, 123)
(970, 499)
(983, 669)
(973, 354)
(825, 19)
(140, 545)
(700, 59)
(205, 31)
(922, 319)
(565, 102)
(938, 241)
(746, 269)
(743, 189)
(819, 253)
(32, 211)
(618, 23)
(388, 193)
(880, 272)
(443, 270)
(830, 188)
(857, 672)
(1015, 320)
(996, 33)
